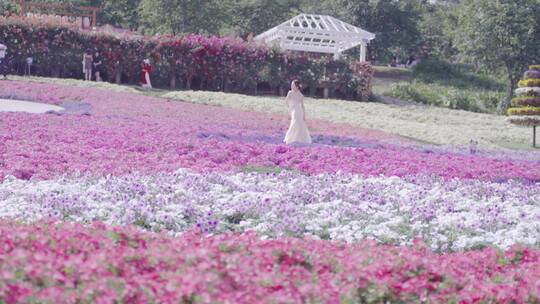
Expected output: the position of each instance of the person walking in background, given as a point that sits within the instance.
(146, 69)
(394, 61)
(3, 61)
(98, 67)
(87, 65)
(28, 67)
(413, 61)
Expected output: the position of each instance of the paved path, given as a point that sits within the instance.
(7, 105)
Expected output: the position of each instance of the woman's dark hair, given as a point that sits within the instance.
(88, 51)
(298, 84)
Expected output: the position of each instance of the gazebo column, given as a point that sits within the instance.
(363, 52)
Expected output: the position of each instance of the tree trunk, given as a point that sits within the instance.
(188, 82)
(224, 84)
(118, 74)
(172, 80)
(55, 73)
(172, 74)
(505, 104)
(512, 85)
(312, 90)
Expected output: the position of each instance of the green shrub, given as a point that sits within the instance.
(456, 75)
(459, 100)
(414, 92)
(483, 101)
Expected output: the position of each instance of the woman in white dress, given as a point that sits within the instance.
(298, 131)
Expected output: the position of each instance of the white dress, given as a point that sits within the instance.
(298, 131)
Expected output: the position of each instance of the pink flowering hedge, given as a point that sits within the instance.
(115, 133)
(212, 63)
(73, 263)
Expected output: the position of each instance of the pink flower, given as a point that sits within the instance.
(117, 133)
(124, 264)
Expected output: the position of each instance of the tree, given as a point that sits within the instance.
(7, 7)
(394, 22)
(500, 33)
(334, 8)
(72, 2)
(182, 16)
(121, 13)
(257, 16)
(436, 19)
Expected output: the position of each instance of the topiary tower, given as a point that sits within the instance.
(525, 110)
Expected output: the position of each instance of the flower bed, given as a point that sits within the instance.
(526, 101)
(525, 121)
(199, 209)
(72, 263)
(121, 133)
(532, 74)
(449, 215)
(428, 124)
(528, 110)
(529, 83)
(449, 128)
(529, 91)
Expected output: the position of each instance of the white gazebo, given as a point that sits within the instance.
(317, 33)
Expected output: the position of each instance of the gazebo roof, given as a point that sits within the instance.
(316, 33)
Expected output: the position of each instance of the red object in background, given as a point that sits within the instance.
(146, 68)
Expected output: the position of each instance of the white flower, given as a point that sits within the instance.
(454, 214)
(527, 91)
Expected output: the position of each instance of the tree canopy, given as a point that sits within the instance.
(500, 33)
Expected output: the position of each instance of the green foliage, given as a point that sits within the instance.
(471, 99)
(433, 26)
(407, 91)
(7, 7)
(121, 13)
(182, 16)
(395, 23)
(71, 2)
(335, 8)
(500, 33)
(261, 14)
(460, 76)
(454, 86)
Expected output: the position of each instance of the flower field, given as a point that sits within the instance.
(137, 199)
(434, 125)
(429, 124)
(71, 263)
